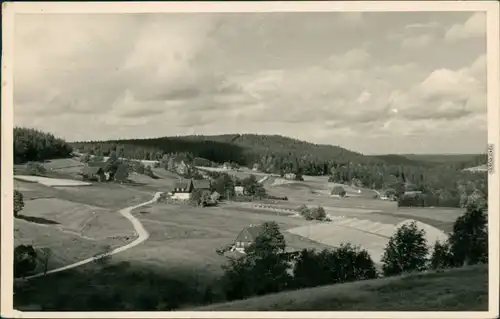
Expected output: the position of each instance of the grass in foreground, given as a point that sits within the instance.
(463, 289)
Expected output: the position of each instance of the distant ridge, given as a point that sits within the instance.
(247, 148)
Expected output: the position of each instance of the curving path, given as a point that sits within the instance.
(141, 232)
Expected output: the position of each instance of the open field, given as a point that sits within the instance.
(54, 182)
(65, 247)
(303, 193)
(462, 289)
(70, 166)
(69, 215)
(185, 237)
(368, 234)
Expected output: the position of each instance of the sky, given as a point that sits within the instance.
(375, 83)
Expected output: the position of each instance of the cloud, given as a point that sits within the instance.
(418, 42)
(428, 25)
(444, 94)
(474, 27)
(157, 75)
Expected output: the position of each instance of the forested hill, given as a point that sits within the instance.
(269, 151)
(243, 149)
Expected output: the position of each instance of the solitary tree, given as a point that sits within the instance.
(406, 251)
(469, 238)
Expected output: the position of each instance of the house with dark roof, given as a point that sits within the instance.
(247, 237)
(185, 187)
(94, 173)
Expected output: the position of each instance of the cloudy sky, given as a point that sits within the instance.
(370, 82)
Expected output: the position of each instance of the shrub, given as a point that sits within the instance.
(36, 169)
(339, 191)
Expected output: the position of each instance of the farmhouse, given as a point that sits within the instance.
(290, 176)
(183, 189)
(247, 236)
(93, 173)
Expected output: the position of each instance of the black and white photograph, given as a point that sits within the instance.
(201, 159)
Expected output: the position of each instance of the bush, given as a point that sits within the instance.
(317, 213)
(36, 169)
(338, 191)
(406, 251)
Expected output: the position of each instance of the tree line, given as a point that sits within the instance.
(35, 145)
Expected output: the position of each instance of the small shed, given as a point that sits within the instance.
(93, 173)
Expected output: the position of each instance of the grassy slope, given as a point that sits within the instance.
(464, 289)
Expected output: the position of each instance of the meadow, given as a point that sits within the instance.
(185, 237)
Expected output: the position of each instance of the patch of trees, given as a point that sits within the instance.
(314, 213)
(224, 184)
(267, 267)
(35, 145)
(333, 266)
(407, 250)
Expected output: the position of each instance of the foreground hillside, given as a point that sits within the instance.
(463, 289)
